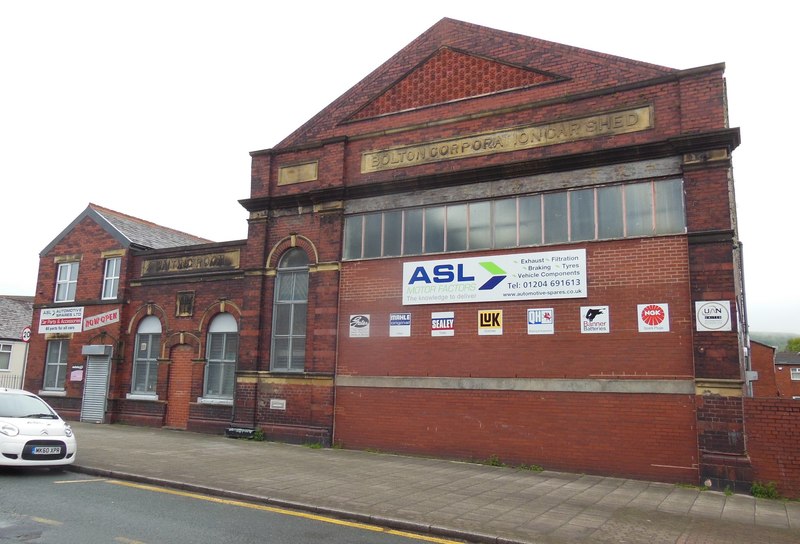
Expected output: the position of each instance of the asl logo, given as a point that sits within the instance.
(449, 273)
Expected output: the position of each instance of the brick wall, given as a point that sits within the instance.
(645, 436)
(772, 433)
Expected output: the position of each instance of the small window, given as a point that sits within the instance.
(639, 209)
(556, 220)
(111, 278)
(795, 373)
(480, 225)
(581, 213)
(5, 356)
(66, 282)
(55, 371)
(434, 229)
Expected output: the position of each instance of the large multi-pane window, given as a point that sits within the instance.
(66, 282)
(145, 363)
(111, 278)
(595, 213)
(55, 369)
(289, 312)
(221, 353)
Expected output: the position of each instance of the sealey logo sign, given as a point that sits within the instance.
(521, 276)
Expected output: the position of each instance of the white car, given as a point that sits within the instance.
(31, 433)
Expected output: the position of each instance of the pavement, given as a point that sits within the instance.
(441, 498)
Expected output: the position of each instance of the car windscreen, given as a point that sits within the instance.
(18, 405)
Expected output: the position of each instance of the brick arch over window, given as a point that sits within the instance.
(146, 310)
(219, 307)
(290, 242)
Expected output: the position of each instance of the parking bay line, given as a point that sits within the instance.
(284, 511)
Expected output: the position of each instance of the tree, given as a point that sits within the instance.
(793, 344)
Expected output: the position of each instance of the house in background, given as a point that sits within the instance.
(787, 374)
(15, 322)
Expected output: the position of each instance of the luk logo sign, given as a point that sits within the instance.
(653, 317)
(490, 322)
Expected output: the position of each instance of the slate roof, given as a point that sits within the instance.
(531, 69)
(16, 313)
(131, 231)
(787, 358)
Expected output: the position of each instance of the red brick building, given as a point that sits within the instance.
(492, 246)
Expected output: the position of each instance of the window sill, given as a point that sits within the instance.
(140, 396)
(221, 402)
(52, 393)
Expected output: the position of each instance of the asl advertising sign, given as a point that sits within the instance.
(521, 276)
(57, 320)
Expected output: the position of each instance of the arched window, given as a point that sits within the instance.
(145, 361)
(221, 352)
(289, 313)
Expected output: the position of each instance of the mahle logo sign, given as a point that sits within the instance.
(523, 276)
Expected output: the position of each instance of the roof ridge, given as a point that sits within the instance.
(101, 209)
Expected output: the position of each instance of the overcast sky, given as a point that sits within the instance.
(150, 108)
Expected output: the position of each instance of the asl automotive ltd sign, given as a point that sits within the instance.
(520, 276)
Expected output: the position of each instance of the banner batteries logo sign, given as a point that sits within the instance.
(359, 326)
(522, 276)
(55, 320)
(713, 315)
(443, 324)
(541, 321)
(595, 320)
(399, 325)
(653, 317)
(101, 320)
(490, 322)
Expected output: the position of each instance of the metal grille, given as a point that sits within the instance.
(95, 389)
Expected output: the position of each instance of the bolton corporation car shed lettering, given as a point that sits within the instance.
(512, 139)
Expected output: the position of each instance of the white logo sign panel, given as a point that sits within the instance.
(400, 325)
(595, 320)
(359, 326)
(653, 317)
(541, 321)
(713, 315)
(443, 323)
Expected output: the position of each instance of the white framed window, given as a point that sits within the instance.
(55, 370)
(66, 282)
(111, 278)
(145, 360)
(5, 356)
(288, 353)
(794, 372)
(221, 352)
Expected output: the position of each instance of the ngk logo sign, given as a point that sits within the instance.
(653, 317)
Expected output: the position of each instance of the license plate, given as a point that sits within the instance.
(47, 450)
